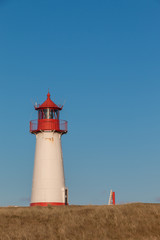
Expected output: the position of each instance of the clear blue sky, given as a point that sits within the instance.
(102, 57)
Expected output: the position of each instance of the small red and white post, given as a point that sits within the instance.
(111, 198)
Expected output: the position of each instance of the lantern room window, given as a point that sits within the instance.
(40, 114)
(48, 113)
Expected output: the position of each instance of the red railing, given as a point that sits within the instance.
(48, 124)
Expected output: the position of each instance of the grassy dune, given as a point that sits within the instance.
(131, 221)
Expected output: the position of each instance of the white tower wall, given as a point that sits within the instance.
(48, 176)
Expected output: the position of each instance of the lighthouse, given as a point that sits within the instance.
(48, 187)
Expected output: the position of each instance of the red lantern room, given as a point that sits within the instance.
(48, 118)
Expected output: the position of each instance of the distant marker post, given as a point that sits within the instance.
(111, 198)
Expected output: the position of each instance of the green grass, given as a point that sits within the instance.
(131, 221)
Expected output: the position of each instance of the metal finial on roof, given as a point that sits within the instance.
(48, 95)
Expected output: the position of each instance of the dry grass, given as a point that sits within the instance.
(123, 222)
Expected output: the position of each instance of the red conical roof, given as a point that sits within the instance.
(48, 104)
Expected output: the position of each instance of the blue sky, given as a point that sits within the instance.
(102, 58)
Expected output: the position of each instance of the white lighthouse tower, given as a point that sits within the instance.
(48, 177)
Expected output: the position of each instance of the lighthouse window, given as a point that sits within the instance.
(40, 114)
(56, 114)
(51, 114)
(46, 113)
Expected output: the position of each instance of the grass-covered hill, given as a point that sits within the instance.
(131, 221)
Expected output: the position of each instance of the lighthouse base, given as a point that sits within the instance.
(45, 204)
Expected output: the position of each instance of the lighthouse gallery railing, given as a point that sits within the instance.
(48, 124)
